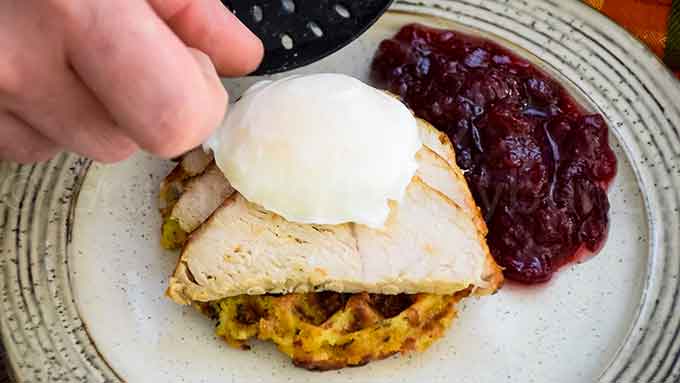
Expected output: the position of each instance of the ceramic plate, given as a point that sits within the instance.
(82, 274)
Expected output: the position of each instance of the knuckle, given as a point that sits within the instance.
(174, 128)
(85, 26)
(12, 74)
(63, 7)
(181, 118)
(167, 140)
(109, 146)
(33, 154)
(116, 154)
(45, 155)
(74, 13)
(43, 151)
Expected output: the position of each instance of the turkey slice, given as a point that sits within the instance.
(433, 243)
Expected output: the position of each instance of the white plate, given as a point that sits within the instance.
(83, 275)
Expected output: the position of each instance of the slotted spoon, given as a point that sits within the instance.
(298, 32)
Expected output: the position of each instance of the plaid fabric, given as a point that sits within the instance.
(655, 22)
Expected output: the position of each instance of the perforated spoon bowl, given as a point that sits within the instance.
(298, 32)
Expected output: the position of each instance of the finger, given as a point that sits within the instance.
(26, 144)
(209, 26)
(152, 85)
(67, 113)
(210, 75)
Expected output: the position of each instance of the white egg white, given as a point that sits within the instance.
(319, 149)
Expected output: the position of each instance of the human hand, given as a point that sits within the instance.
(106, 78)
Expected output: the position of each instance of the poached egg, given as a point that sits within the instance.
(319, 149)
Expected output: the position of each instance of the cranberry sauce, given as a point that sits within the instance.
(537, 165)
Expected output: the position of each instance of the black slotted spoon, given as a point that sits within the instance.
(298, 32)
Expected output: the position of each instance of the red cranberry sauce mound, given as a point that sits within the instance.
(536, 163)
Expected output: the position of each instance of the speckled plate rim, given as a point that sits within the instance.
(45, 336)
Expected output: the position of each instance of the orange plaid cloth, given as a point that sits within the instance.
(655, 22)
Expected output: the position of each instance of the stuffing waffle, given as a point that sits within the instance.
(326, 331)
